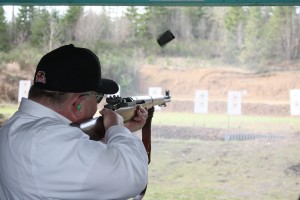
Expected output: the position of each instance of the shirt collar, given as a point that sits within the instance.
(38, 110)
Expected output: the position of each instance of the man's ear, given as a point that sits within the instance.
(72, 109)
(76, 107)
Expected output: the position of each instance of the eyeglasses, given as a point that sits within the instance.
(99, 97)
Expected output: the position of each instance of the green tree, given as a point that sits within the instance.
(133, 17)
(40, 27)
(155, 21)
(254, 35)
(23, 24)
(70, 21)
(200, 30)
(46, 29)
(200, 20)
(234, 24)
(4, 39)
(106, 25)
(283, 32)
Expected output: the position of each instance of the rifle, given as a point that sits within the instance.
(127, 106)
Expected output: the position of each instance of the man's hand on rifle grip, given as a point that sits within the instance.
(111, 118)
(139, 119)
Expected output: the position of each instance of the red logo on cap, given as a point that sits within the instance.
(40, 77)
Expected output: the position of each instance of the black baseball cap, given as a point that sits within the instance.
(72, 69)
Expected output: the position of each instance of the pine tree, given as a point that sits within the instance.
(155, 21)
(70, 20)
(4, 39)
(283, 33)
(254, 35)
(134, 19)
(234, 24)
(40, 27)
(23, 23)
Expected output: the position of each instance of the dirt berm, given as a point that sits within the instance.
(262, 93)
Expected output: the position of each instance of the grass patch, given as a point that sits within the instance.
(223, 121)
(223, 170)
(8, 109)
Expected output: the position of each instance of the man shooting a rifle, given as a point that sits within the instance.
(43, 157)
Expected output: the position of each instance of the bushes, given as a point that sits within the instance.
(25, 55)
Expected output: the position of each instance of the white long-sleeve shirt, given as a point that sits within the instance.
(43, 157)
